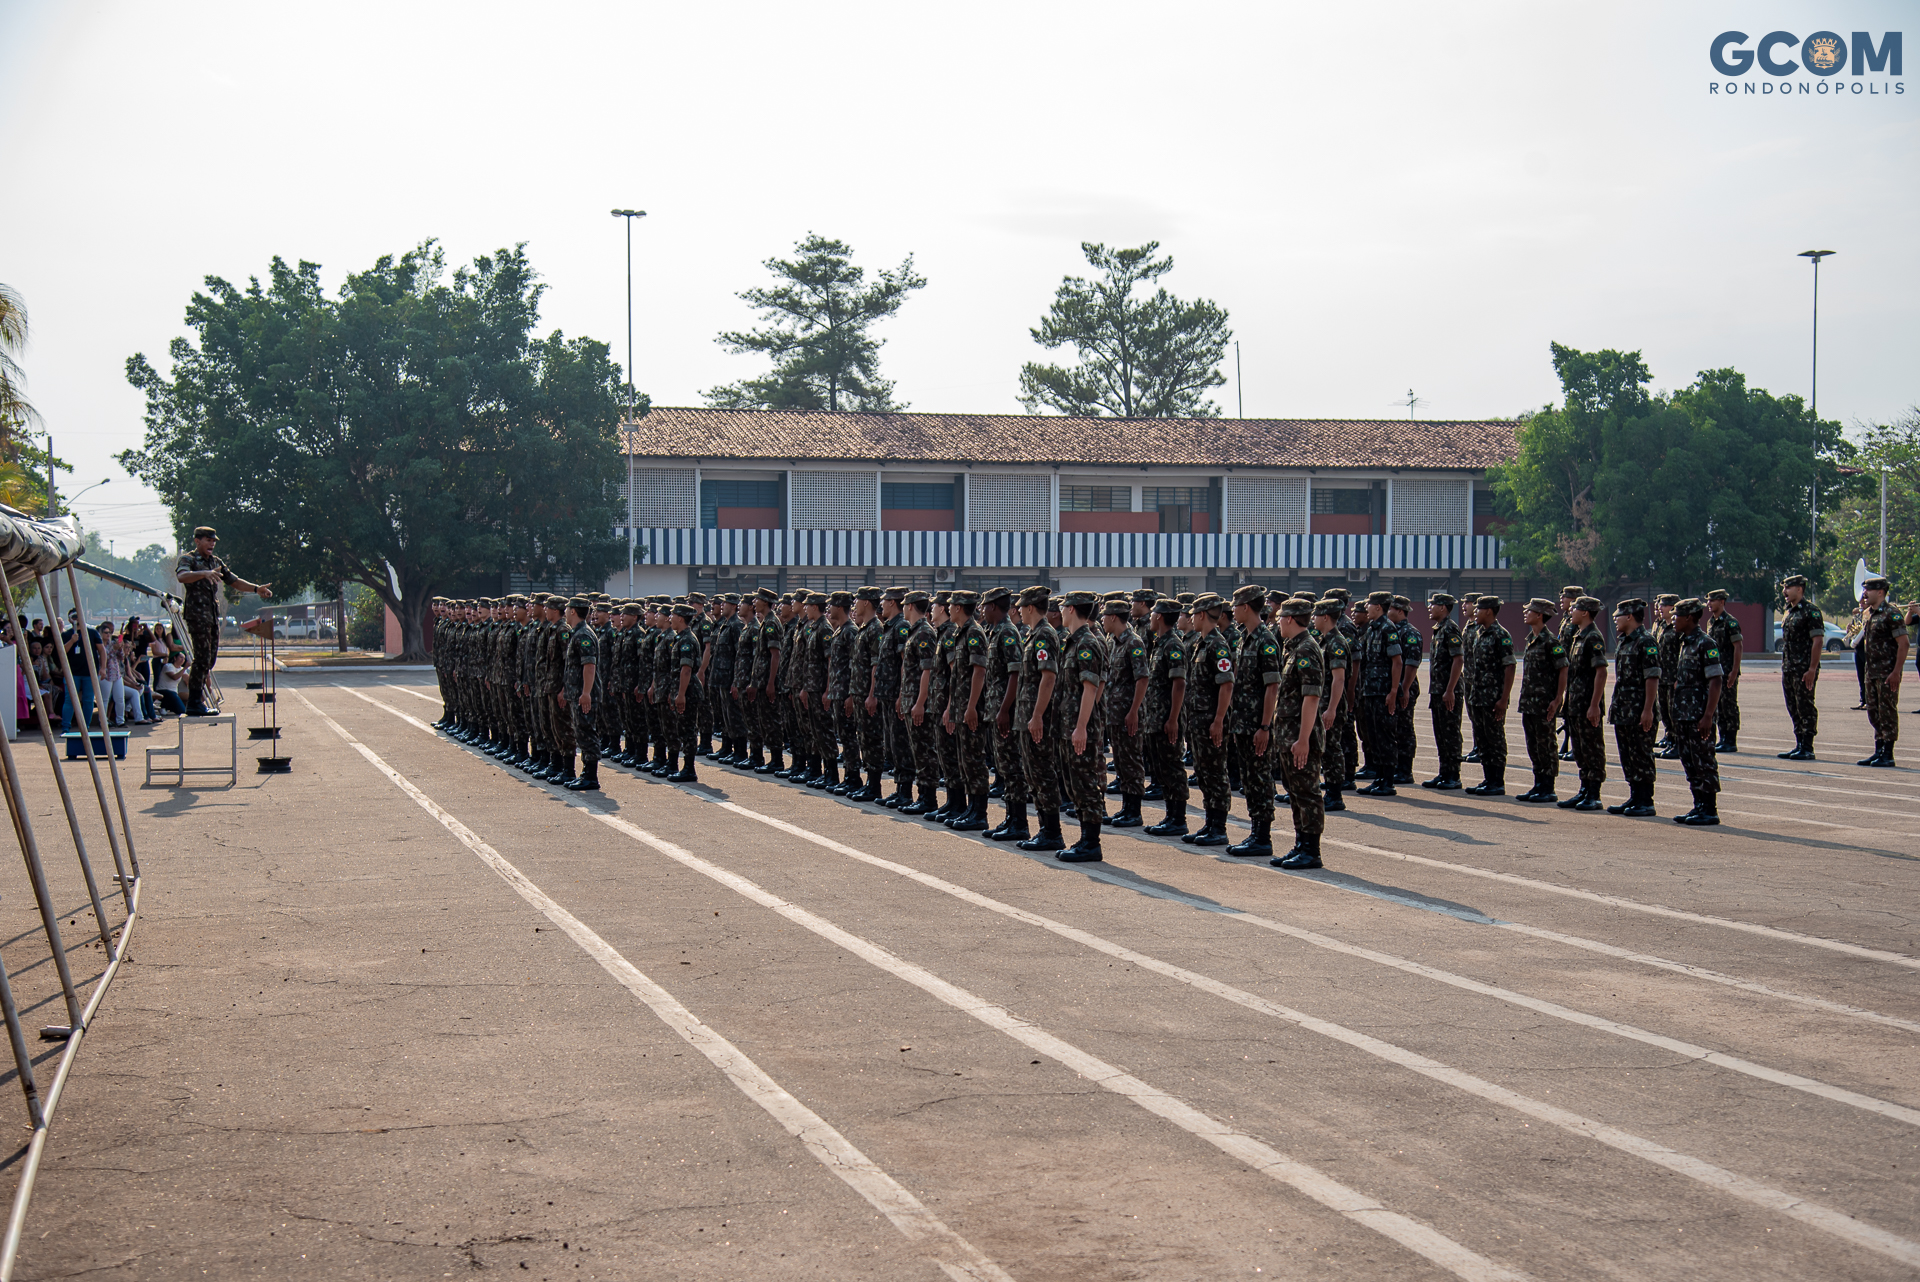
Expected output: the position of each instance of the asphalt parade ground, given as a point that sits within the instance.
(404, 1013)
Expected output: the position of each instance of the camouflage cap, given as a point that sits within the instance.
(1081, 601)
(204, 532)
(1339, 594)
(1035, 596)
(1573, 590)
(1488, 601)
(817, 598)
(1120, 607)
(1794, 581)
(580, 603)
(1184, 598)
(869, 594)
(695, 598)
(1632, 605)
(1540, 605)
(1167, 607)
(965, 598)
(1692, 605)
(842, 599)
(895, 593)
(1591, 604)
(917, 598)
(1209, 602)
(1251, 594)
(1329, 607)
(685, 611)
(1381, 599)
(1291, 609)
(1878, 584)
(1667, 598)
(1718, 594)
(943, 596)
(766, 594)
(1402, 603)
(631, 608)
(996, 596)
(1145, 596)
(1442, 599)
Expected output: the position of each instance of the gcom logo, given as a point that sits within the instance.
(1822, 54)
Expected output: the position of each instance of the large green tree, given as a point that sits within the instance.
(820, 314)
(403, 434)
(1154, 356)
(1708, 486)
(1850, 515)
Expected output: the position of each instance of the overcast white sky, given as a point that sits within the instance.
(1385, 197)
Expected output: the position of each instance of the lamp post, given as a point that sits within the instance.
(626, 444)
(76, 498)
(1813, 518)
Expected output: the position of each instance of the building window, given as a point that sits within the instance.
(664, 497)
(1429, 507)
(1096, 498)
(915, 496)
(715, 495)
(1155, 497)
(1343, 502)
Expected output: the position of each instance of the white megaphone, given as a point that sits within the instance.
(1860, 576)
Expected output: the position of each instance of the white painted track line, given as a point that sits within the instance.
(957, 1257)
(403, 690)
(1824, 1218)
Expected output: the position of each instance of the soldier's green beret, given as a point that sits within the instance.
(1877, 584)
(1120, 607)
(1328, 606)
(1794, 581)
(1573, 590)
(766, 594)
(1488, 601)
(1402, 603)
(1291, 609)
(1036, 596)
(1718, 594)
(1591, 604)
(1667, 598)
(995, 595)
(1145, 596)
(1381, 599)
(869, 594)
(842, 599)
(1541, 606)
(1250, 594)
(918, 598)
(967, 600)
(1168, 607)
(580, 603)
(1442, 599)
(1693, 605)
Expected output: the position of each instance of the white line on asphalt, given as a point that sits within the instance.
(403, 690)
(1657, 910)
(953, 1253)
(1844, 792)
(1824, 1218)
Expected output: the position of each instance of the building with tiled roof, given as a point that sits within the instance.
(745, 497)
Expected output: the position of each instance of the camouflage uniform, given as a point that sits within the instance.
(582, 650)
(553, 669)
(967, 650)
(723, 676)
(1255, 667)
(666, 679)
(920, 654)
(1697, 665)
(1586, 659)
(1448, 645)
(1302, 673)
(1379, 647)
(867, 726)
(1210, 666)
(1041, 761)
(1725, 632)
(1880, 640)
(840, 687)
(938, 693)
(771, 649)
(1127, 663)
(1003, 669)
(890, 650)
(1635, 659)
(201, 612)
(1802, 632)
(1545, 655)
(1167, 664)
(1668, 638)
(1405, 739)
(1085, 659)
(1335, 657)
(1488, 660)
(818, 717)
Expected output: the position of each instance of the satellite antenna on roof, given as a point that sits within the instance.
(1412, 402)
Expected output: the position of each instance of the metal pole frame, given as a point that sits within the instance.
(86, 736)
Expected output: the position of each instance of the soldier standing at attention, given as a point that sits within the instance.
(1634, 698)
(1725, 631)
(1668, 638)
(1036, 719)
(1128, 672)
(1884, 639)
(763, 721)
(1469, 629)
(687, 654)
(1380, 678)
(1256, 688)
(1444, 695)
(937, 696)
(921, 654)
(889, 687)
(862, 700)
(840, 736)
(1160, 731)
(1543, 689)
(1298, 732)
(1491, 661)
(1406, 744)
(1568, 595)
(197, 572)
(1696, 697)
(666, 680)
(965, 717)
(1587, 704)
(1004, 663)
(577, 692)
(746, 650)
(1209, 699)
(1803, 635)
(1336, 713)
(1082, 724)
(721, 677)
(552, 688)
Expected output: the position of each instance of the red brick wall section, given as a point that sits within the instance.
(915, 518)
(747, 518)
(1114, 522)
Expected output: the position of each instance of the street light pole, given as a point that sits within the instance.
(626, 441)
(1813, 506)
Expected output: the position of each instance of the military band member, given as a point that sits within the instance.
(1210, 685)
(999, 699)
(1803, 635)
(1445, 696)
(1082, 723)
(1256, 689)
(1036, 717)
(1298, 732)
(1587, 703)
(1491, 662)
(1128, 672)
(1635, 697)
(1884, 639)
(1696, 697)
(1725, 631)
(1543, 689)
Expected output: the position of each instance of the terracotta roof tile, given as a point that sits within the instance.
(779, 435)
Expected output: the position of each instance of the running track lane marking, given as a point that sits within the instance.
(1824, 1218)
(953, 1253)
(1328, 1192)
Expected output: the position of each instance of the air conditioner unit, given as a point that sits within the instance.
(943, 574)
(726, 571)
(1358, 576)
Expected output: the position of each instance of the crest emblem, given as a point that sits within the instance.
(1824, 53)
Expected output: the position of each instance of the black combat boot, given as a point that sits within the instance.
(1048, 838)
(1382, 786)
(1175, 824)
(1705, 812)
(1215, 833)
(1495, 785)
(956, 806)
(1589, 799)
(828, 778)
(1258, 845)
(566, 771)
(1640, 804)
(588, 779)
(1305, 854)
(1572, 801)
(1331, 798)
(902, 795)
(870, 792)
(1087, 849)
(975, 817)
(686, 773)
(1014, 826)
(927, 801)
(1129, 816)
